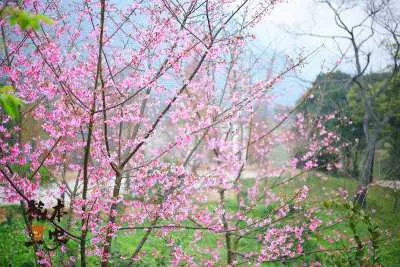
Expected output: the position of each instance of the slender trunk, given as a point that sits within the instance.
(111, 220)
(143, 241)
(141, 244)
(84, 192)
(229, 255)
(368, 164)
(367, 170)
(89, 139)
(354, 164)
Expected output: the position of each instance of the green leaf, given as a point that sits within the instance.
(25, 20)
(13, 19)
(10, 105)
(6, 89)
(35, 23)
(45, 19)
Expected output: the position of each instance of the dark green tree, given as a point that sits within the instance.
(387, 104)
(329, 91)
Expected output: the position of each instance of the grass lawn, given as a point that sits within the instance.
(380, 208)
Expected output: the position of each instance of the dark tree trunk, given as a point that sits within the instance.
(366, 170)
(368, 164)
(354, 165)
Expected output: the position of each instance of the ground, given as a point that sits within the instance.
(380, 207)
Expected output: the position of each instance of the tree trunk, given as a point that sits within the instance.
(354, 164)
(111, 220)
(229, 254)
(368, 164)
(367, 171)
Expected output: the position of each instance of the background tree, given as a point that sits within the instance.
(328, 95)
(380, 21)
(386, 103)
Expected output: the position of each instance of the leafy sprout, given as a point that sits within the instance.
(9, 102)
(25, 20)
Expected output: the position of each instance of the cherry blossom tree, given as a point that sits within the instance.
(149, 111)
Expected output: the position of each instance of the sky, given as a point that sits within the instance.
(278, 31)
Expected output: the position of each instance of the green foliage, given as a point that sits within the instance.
(329, 95)
(10, 103)
(383, 102)
(13, 252)
(386, 103)
(364, 253)
(379, 212)
(392, 131)
(23, 19)
(25, 171)
(335, 92)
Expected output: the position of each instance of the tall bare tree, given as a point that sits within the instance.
(375, 35)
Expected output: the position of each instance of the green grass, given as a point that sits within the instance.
(12, 239)
(380, 203)
(156, 251)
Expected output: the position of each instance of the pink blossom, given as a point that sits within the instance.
(314, 224)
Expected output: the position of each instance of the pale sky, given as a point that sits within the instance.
(305, 16)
